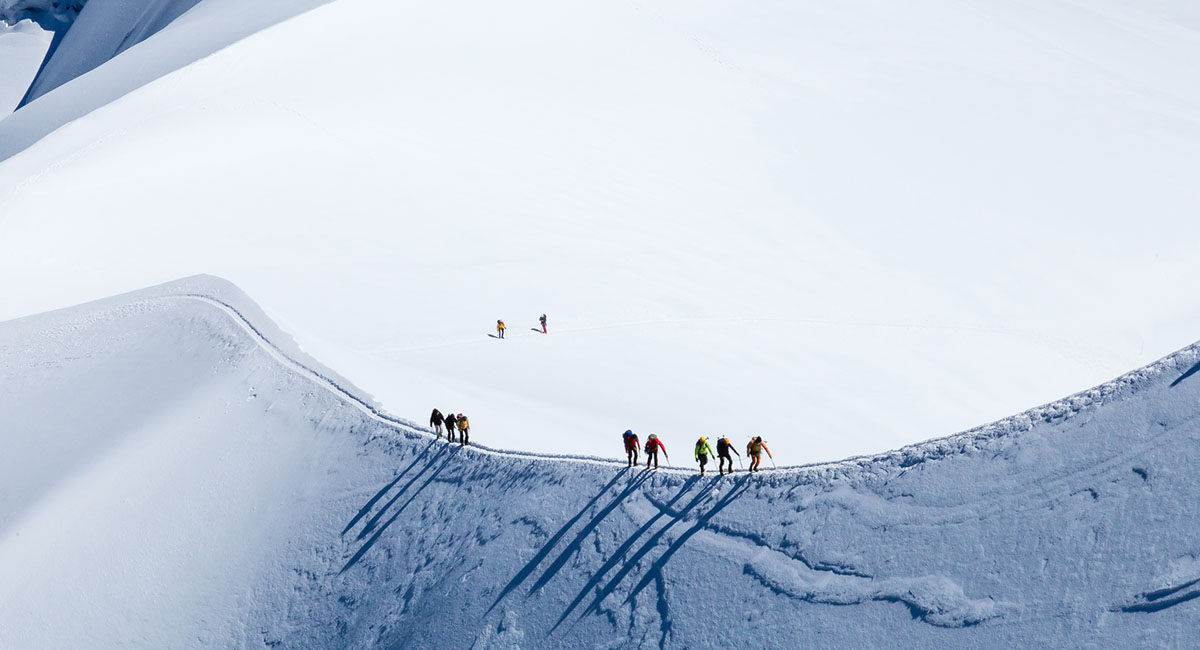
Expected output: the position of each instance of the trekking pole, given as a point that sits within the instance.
(740, 461)
(772, 460)
(666, 456)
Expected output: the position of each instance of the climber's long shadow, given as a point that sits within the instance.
(1190, 371)
(530, 566)
(627, 544)
(447, 454)
(656, 568)
(575, 544)
(380, 494)
(374, 520)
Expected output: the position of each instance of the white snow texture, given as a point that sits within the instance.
(848, 225)
(175, 473)
(845, 225)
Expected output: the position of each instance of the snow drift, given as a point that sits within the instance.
(175, 472)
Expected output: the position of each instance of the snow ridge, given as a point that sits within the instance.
(340, 526)
(1056, 412)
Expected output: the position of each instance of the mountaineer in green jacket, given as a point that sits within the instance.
(703, 451)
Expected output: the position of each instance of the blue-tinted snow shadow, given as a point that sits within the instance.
(575, 544)
(532, 565)
(1190, 371)
(1158, 600)
(701, 522)
(445, 455)
(633, 561)
(380, 494)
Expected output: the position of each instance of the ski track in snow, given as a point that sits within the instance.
(744, 320)
(907, 456)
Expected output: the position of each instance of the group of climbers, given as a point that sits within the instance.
(501, 327)
(654, 444)
(454, 424)
(754, 449)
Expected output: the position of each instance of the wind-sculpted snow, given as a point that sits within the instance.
(98, 31)
(52, 15)
(87, 37)
(171, 460)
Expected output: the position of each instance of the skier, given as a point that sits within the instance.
(703, 451)
(631, 446)
(500, 329)
(653, 444)
(542, 320)
(754, 450)
(464, 430)
(435, 421)
(723, 449)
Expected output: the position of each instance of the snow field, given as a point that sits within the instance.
(846, 227)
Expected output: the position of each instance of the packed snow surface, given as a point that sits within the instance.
(175, 473)
(849, 225)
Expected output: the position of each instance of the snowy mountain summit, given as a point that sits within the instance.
(175, 472)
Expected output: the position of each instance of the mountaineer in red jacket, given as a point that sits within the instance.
(653, 444)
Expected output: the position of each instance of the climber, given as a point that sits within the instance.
(464, 430)
(723, 449)
(653, 444)
(542, 320)
(435, 421)
(754, 450)
(500, 329)
(703, 451)
(631, 446)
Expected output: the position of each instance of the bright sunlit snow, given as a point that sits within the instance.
(846, 225)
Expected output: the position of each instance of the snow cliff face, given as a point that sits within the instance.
(52, 15)
(170, 460)
(98, 31)
(22, 47)
(88, 34)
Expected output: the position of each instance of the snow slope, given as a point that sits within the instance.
(852, 225)
(103, 30)
(108, 28)
(22, 47)
(175, 473)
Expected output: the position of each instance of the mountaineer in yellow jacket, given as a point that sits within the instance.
(464, 429)
(703, 451)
